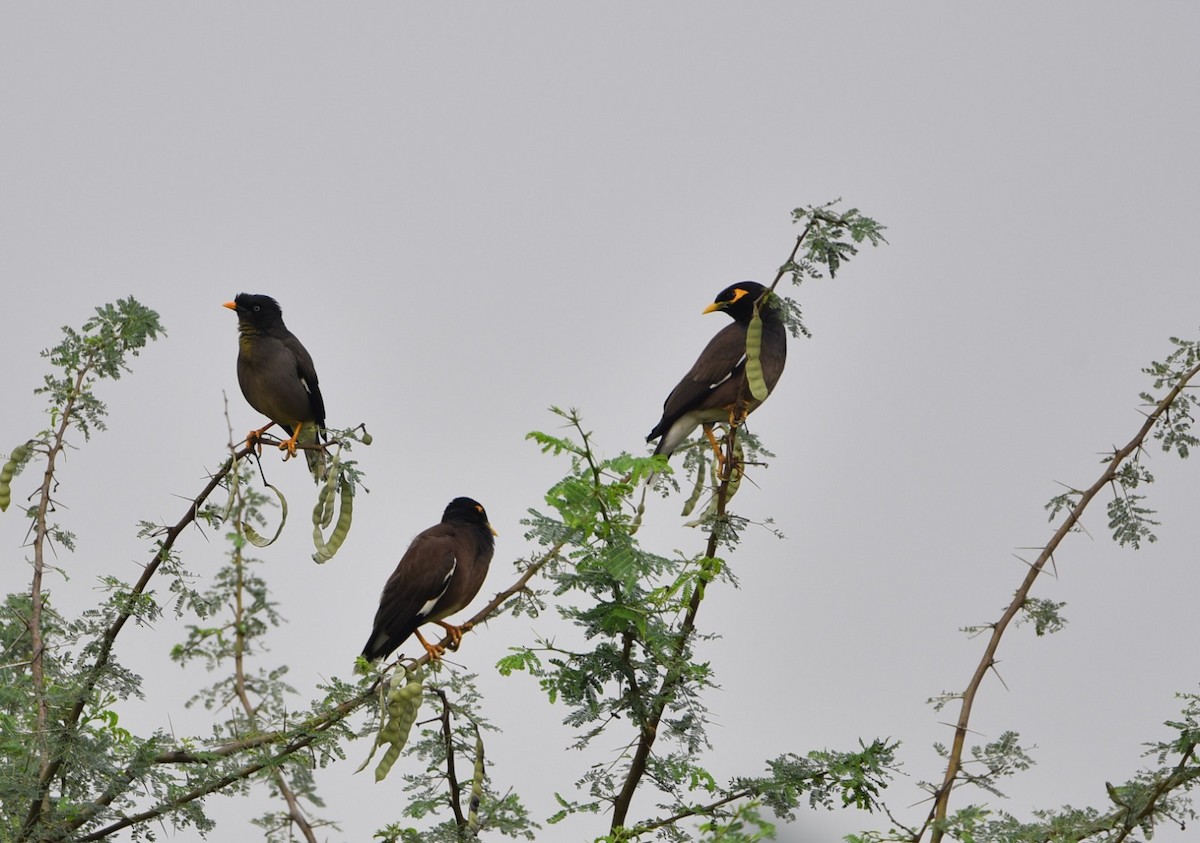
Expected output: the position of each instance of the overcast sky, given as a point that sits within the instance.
(472, 211)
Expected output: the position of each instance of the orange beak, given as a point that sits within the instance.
(230, 305)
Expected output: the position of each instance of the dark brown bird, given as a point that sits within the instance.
(440, 573)
(710, 392)
(277, 377)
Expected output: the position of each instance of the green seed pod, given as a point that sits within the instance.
(367, 438)
(252, 535)
(754, 372)
(326, 550)
(390, 733)
(323, 511)
(476, 784)
(389, 759)
(697, 489)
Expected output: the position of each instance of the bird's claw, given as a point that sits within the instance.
(435, 651)
(455, 633)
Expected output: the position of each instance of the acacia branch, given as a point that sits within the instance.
(205, 789)
(295, 812)
(455, 795)
(792, 257)
(938, 813)
(666, 691)
(694, 811)
(104, 651)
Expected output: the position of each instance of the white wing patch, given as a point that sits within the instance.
(304, 383)
(741, 362)
(433, 601)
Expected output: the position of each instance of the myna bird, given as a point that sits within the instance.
(439, 574)
(277, 377)
(715, 389)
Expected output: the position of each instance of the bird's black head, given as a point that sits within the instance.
(256, 310)
(738, 300)
(468, 511)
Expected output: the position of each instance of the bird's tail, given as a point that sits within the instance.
(318, 462)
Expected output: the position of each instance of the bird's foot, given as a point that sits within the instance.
(289, 445)
(254, 438)
(455, 632)
(435, 651)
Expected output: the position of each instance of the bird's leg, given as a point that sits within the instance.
(289, 445)
(254, 437)
(738, 413)
(455, 632)
(435, 650)
(716, 446)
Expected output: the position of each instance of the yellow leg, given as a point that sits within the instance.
(253, 437)
(435, 650)
(289, 445)
(716, 446)
(455, 632)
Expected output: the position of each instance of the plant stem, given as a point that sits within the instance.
(939, 812)
(666, 692)
(41, 534)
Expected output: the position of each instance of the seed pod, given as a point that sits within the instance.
(754, 372)
(697, 488)
(476, 784)
(8, 471)
(389, 758)
(252, 535)
(326, 550)
(323, 511)
(367, 438)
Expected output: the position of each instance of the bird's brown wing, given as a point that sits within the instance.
(307, 373)
(415, 589)
(722, 359)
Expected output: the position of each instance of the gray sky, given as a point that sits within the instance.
(472, 211)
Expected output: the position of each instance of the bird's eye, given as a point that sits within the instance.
(257, 308)
(736, 294)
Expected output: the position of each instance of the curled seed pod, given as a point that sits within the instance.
(697, 488)
(252, 535)
(323, 511)
(332, 475)
(754, 372)
(326, 550)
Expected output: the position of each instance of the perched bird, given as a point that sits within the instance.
(277, 377)
(439, 574)
(711, 391)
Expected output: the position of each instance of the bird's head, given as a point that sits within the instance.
(738, 299)
(466, 510)
(256, 310)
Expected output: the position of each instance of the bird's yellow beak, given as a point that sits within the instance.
(231, 305)
(712, 307)
(493, 529)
